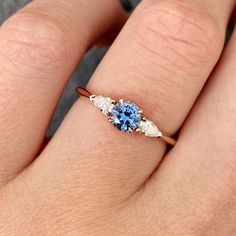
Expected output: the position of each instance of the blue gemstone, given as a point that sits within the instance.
(125, 115)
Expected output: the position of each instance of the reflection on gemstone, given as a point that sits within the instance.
(125, 116)
(103, 103)
(149, 129)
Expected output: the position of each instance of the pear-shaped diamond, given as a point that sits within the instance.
(149, 129)
(103, 103)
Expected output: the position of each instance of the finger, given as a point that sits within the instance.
(161, 60)
(201, 172)
(39, 48)
(112, 33)
(109, 37)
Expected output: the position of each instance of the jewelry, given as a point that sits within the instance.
(125, 116)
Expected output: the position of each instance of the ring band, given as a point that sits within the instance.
(125, 116)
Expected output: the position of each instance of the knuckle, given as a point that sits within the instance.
(36, 40)
(179, 31)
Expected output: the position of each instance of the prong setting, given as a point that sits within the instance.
(92, 97)
(121, 101)
(130, 130)
(138, 130)
(140, 111)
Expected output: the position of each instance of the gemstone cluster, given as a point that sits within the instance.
(125, 116)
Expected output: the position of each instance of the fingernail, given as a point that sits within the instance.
(126, 5)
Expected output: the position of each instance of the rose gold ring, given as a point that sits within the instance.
(126, 116)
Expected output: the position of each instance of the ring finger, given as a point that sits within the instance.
(161, 60)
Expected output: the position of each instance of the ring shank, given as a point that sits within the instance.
(169, 140)
(83, 92)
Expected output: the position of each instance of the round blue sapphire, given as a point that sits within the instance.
(125, 115)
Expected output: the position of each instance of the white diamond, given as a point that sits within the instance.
(149, 129)
(103, 103)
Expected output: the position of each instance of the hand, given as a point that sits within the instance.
(91, 179)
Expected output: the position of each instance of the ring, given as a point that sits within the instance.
(125, 116)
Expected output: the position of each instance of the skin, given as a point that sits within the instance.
(91, 179)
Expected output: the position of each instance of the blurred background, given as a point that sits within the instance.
(82, 74)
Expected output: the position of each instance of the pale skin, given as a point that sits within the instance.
(91, 179)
